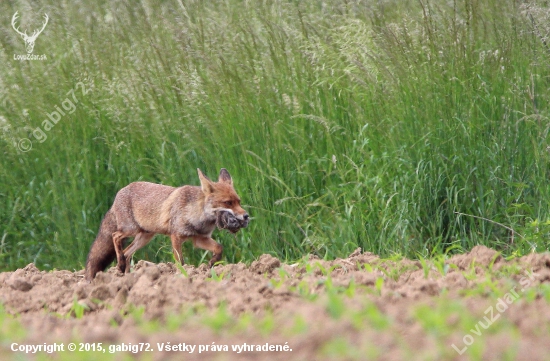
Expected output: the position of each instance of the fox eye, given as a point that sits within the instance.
(228, 203)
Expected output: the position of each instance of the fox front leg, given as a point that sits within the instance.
(177, 242)
(209, 244)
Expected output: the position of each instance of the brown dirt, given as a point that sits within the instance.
(39, 297)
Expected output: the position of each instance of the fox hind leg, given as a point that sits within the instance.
(142, 238)
(118, 241)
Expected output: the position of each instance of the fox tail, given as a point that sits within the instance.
(103, 251)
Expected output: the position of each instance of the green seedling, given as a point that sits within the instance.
(220, 319)
(11, 328)
(77, 309)
(182, 270)
(266, 324)
(283, 276)
(303, 289)
(379, 284)
(425, 266)
(341, 348)
(299, 326)
(350, 290)
(370, 316)
(215, 277)
(136, 312)
(432, 320)
(335, 306)
(439, 262)
(367, 267)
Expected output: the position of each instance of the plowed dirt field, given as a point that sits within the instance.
(471, 306)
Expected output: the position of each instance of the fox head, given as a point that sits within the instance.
(220, 196)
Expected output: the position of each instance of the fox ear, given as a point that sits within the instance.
(206, 184)
(225, 176)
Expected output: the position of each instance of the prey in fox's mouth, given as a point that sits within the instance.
(228, 221)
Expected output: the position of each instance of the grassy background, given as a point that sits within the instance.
(344, 123)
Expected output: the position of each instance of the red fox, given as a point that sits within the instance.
(143, 209)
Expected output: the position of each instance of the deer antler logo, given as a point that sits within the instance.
(29, 40)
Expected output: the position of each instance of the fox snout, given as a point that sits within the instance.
(243, 219)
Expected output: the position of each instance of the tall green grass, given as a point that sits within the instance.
(385, 125)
